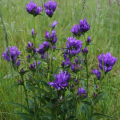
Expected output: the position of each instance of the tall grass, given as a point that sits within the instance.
(103, 16)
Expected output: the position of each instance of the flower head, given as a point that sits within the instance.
(30, 47)
(84, 26)
(76, 67)
(33, 9)
(73, 46)
(81, 92)
(32, 32)
(85, 51)
(43, 48)
(76, 30)
(33, 66)
(11, 53)
(97, 73)
(54, 24)
(107, 61)
(50, 7)
(52, 38)
(88, 40)
(60, 81)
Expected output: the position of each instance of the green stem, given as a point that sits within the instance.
(79, 110)
(86, 65)
(21, 98)
(51, 59)
(34, 31)
(25, 92)
(87, 72)
(64, 117)
(35, 114)
(92, 110)
(56, 116)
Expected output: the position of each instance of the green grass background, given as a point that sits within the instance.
(104, 19)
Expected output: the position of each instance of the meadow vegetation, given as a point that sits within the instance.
(104, 19)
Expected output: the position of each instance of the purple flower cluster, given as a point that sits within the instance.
(43, 48)
(84, 26)
(107, 61)
(88, 40)
(54, 24)
(50, 7)
(30, 48)
(76, 30)
(85, 51)
(51, 38)
(32, 33)
(12, 53)
(80, 29)
(33, 9)
(67, 62)
(33, 66)
(60, 81)
(76, 66)
(82, 92)
(73, 46)
(97, 73)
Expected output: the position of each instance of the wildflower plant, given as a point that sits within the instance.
(57, 92)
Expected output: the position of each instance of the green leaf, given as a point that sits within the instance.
(48, 115)
(25, 116)
(45, 84)
(102, 115)
(101, 96)
(87, 103)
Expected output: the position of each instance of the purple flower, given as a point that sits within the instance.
(107, 60)
(60, 81)
(30, 47)
(33, 66)
(77, 61)
(52, 38)
(76, 67)
(46, 45)
(28, 57)
(85, 51)
(65, 56)
(17, 63)
(76, 30)
(67, 62)
(84, 26)
(22, 71)
(43, 48)
(12, 54)
(97, 73)
(88, 40)
(73, 46)
(81, 92)
(54, 24)
(54, 47)
(33, 9)
(44, 56)
(32, 32)
(50, 7)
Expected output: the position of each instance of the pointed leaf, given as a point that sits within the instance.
(102, 115)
